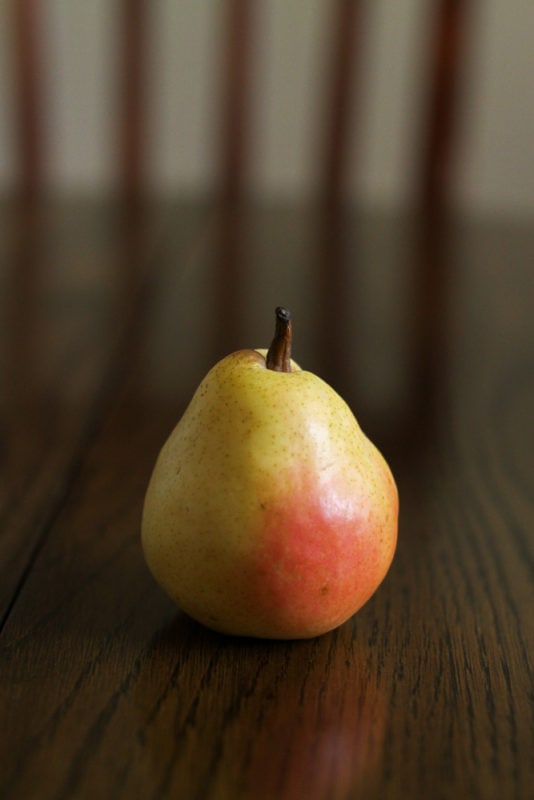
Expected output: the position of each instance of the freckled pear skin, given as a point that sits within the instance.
(269, 513)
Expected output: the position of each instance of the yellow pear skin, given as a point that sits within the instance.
(269, 513)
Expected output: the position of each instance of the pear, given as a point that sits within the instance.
(269, 513)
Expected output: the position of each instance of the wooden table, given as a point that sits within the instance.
(108, 321)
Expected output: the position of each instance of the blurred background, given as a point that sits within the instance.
(77, 100)
(370, 165)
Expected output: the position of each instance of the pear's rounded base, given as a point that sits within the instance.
(275, 628)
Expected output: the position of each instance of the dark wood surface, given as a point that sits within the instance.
(107, 326)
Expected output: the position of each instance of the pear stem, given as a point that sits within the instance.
(279, 353)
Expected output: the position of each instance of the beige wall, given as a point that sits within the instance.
(495, 168)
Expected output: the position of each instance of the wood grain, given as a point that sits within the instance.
(107, 690)
(71, 279)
